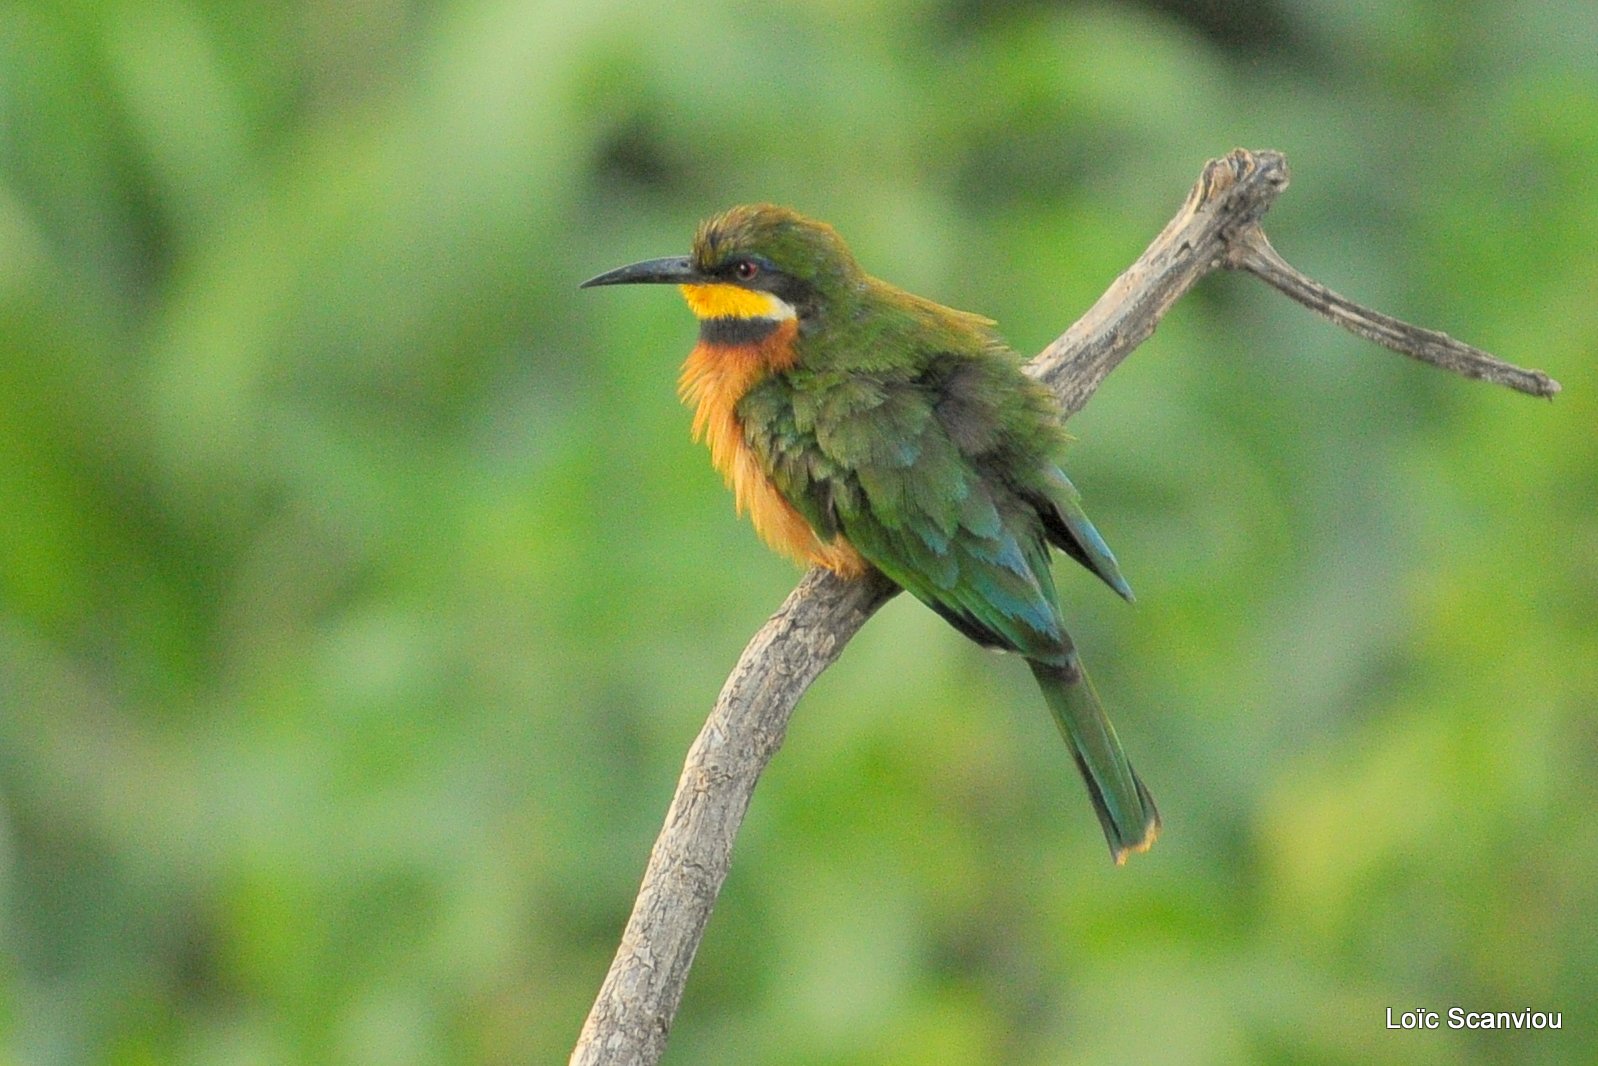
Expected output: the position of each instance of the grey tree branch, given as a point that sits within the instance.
(1216, 228)
(1250, 251)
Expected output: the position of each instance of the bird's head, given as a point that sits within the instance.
(756, 261)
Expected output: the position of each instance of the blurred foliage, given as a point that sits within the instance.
(360, 589)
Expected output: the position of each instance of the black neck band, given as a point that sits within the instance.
(736, 331)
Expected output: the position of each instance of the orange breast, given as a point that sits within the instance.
(714, 379)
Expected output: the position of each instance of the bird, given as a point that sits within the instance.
(863, 427)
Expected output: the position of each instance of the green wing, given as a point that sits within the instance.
(955, 495)
(879, 460)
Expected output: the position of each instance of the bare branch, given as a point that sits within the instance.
(1216, 228)
(1231, 193)
(1250, 251)
(630, 1018)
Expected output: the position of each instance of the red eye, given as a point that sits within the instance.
(745, 269)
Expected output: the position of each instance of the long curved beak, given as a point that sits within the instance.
(676, 270)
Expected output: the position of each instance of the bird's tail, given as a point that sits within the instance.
(1124, 806)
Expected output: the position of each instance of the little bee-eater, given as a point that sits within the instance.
(861, 426)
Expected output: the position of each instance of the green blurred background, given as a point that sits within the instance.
(361, 590)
